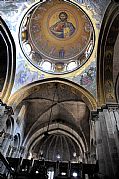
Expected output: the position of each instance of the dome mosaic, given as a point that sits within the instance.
(56, 36)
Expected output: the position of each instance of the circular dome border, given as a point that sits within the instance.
(57, 65)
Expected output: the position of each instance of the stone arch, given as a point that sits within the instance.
(52, 135)
(8, 136)
(16, 140)
(8, 61)
(117, 88)
(53, 129)
(65, 86)
(9, 125)
(107, 38)
(21, 94)
(44, 125)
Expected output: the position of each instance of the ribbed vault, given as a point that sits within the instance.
(57, 146)
(52, 105)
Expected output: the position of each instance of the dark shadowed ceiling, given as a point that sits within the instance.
(59, 105)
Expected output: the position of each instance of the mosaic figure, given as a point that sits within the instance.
(62, 28)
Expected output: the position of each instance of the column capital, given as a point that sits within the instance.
(7, 135)
(112, 107)
(8, 110)
(109, 106)
(1, 103)
(94, 115)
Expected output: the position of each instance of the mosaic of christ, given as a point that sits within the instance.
(63, 28)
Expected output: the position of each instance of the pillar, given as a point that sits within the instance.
(14, 152)
(3, 118)
(6, 143)
(92, 156)
(107, 140)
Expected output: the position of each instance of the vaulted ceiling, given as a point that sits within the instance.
(54, 107)
(57, 104)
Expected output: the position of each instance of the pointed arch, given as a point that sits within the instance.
(107, 38)
(21, 94)
(7, 62)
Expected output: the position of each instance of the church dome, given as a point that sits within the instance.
(56, 36)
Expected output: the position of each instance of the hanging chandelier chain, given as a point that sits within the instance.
(52, 107)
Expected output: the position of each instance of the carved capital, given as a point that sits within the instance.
(94, 116)
(112, 107)
(8, 110)
(6, 135)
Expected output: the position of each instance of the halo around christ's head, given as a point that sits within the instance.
(57, 33)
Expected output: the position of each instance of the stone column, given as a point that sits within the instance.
(99, 144)
(9, 151)
(14, 152)
(18, 152)
(6, 143)
(3, 118)
(112, 136)
(92, 157)
(107, 140)
(114, 111)
(5, 138)
(5, 113)
(22, 151)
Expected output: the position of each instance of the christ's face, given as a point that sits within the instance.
(63, 17)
